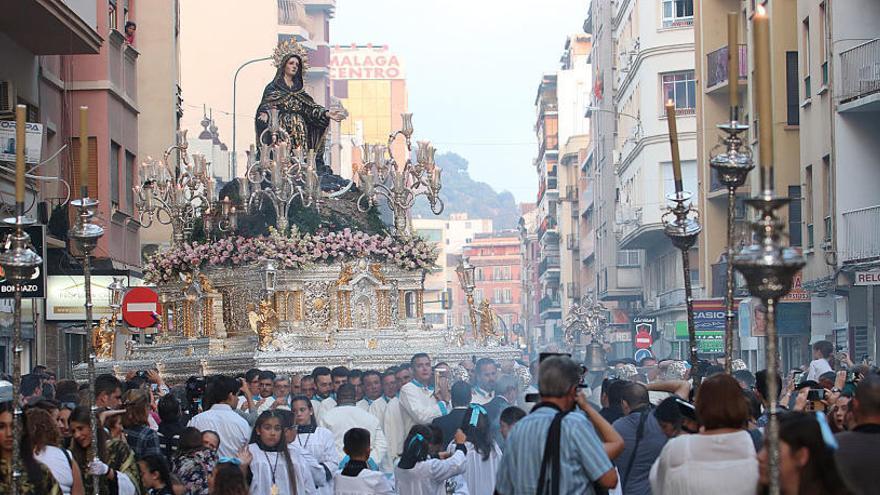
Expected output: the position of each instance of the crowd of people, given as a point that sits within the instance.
(475, 427)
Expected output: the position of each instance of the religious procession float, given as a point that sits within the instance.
(294, 267)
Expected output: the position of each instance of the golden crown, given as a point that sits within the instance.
(290, 47)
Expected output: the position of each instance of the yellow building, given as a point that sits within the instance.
(710, 41)
(370, 82)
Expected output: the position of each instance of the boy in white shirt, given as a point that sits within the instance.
(822, 350)
(356, 478)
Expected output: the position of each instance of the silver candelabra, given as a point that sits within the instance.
(175, 197)
(282, 173)
(682, 225)
(381, 175)
(733, 165)
(19, 262)
(587, 317)
(85, 236)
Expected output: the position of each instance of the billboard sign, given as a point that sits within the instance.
(365, 62)
(36, 287)
(33, 141)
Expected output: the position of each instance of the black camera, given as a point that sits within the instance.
(816, 394)
(195, 391)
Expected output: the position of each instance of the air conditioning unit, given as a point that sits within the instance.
(7, 98)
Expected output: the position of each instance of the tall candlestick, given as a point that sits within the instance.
(764, 95)
(20, 136)
(84, 152)
(673, 145)
(733, 57)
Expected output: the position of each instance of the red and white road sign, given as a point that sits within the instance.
(643, 340)
(138, 307)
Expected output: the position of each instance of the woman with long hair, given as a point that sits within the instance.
(483, 454)
(275, 467)
(721, 458)
(142, 439)
(155, 475)
(45, 439)
(36, 479)
(418, 473)
(316, 440)
(227, 478)
(806, 457)
(194, 462)
(114, 465)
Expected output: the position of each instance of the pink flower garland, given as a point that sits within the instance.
(296, 251)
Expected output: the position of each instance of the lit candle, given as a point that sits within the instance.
(764, 95)
(673, 145)
(84, 152)
(20, 124)
(733, 57)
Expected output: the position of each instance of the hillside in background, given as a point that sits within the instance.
(461, 194)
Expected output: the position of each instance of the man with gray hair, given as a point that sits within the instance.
(556, 448)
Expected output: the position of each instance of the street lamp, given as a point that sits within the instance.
(465, 272)
(117, 292)
(234, 163)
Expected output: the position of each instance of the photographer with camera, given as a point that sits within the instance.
(574, 457)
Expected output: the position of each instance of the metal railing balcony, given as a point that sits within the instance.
(716, 66)
(862, 234)
(860, 71)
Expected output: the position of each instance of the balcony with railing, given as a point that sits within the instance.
(862, 237)
(717, 71)
(860, 78)
(549, 305)
(548, 264)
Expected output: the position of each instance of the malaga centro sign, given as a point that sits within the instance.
(364, 62)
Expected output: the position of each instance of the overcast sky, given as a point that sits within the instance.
(473, 68)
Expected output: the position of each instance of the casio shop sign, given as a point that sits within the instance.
(36, 287)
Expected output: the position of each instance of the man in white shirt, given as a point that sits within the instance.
(822, 350)
(267, 391)
(419, 402)
(339, 377)
(281, 393)
(372, 386)
(346, 415)
(232, 429)
(323, 388)
(486, 373)
(252, 378)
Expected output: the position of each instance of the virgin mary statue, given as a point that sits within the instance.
(300, 116)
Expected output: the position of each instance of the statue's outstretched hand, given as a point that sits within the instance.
(263, 117)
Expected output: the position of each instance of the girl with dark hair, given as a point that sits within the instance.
(194, 462)
(275, 467)
(417, 473)
(483, 454)
(316, 440)
(228, 479)
(806, 457)
(44, 437)
(114, 465)
(155, 475)
(142, 439)
(36, 479)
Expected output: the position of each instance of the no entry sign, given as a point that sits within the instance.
(138, 307)
(643, 339)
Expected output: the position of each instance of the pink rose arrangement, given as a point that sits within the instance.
(293, 252)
